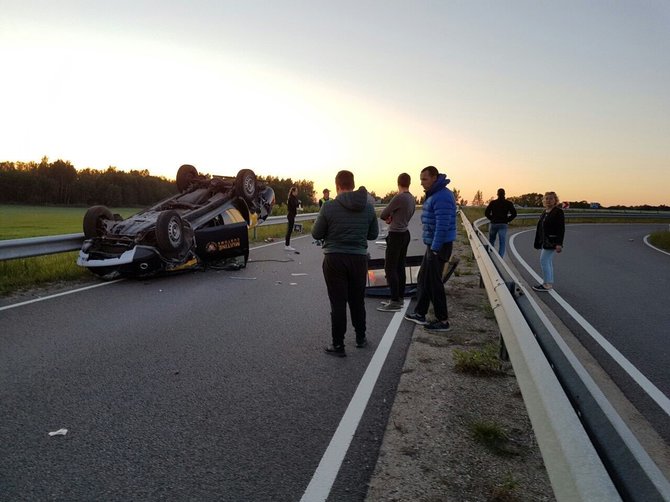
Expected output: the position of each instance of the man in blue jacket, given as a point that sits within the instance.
(439, 233)
(345, 225)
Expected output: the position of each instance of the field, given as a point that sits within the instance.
(17, 222)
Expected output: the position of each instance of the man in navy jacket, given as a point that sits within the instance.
(439, 233)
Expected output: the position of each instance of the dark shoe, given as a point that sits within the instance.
(438, 326)
(390, 307)
(417, 318)
(335, 350)
(361, 342)
(541, 288)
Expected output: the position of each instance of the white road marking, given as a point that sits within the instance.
(49, 297)
(324, 476)
(653, 391)
(646, 241)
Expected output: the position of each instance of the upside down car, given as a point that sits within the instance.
(206, 221)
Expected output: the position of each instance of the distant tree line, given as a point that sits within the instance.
(59, 183)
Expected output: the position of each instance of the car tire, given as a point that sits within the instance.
(245, 185)
(185, 176)
(94, 221)
(170, 236)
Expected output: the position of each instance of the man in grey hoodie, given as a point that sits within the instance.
(345, 225)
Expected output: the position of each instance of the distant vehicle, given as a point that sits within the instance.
(595, 205)
(206, 221)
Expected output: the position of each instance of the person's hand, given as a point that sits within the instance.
(559, 248)
(389, 220)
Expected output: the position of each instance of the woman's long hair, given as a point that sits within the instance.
(293, 189)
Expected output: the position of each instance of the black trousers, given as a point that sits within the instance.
(289, 228)
(429, 287)
(394, 264)
(345, 276)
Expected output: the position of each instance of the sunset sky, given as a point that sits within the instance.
(571, 96)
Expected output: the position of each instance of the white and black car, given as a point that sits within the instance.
(206, 221)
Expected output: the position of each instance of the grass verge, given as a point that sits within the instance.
(479, 362)
(661, 240)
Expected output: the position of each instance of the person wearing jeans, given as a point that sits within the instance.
(549, 236)
(500, 213)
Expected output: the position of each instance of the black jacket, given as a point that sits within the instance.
(550, 229)
(500, 210)
(293, 203)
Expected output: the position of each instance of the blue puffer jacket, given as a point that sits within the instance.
(439, 214)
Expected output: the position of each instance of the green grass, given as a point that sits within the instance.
(660, 240)
(479, 362)
(492, 436)
(18, 222)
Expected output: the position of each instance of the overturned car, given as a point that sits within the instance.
(206, 221)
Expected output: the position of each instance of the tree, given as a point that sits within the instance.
(478, 199)
(457, 194)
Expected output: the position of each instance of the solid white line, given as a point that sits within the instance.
(646, 241)
(324, 476)
(7, 307)
(653, 391)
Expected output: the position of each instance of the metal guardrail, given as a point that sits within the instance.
(628, 467)
(38, 246)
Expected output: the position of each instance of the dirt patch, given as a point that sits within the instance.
(453, 435)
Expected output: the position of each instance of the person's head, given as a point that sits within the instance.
(550, 199)
(344, 181)
(404, 180)
(428, 176)
(326, 193)
(293, 191)
(501, 193)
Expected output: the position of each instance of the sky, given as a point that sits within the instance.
(529, 95)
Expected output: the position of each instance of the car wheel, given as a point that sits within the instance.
(94, 218)
(185, 176)
(170, 233)
(245, 184)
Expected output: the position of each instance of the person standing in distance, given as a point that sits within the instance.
(549, 236)
(397, 214)
(293, 203)
(345, 225)
(325, 198)
(500, 213)
(439, 233)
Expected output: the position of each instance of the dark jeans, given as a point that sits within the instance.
(394, 264)
(430, 287)
(345, 276)
(289, 228)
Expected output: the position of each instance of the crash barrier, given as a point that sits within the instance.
(38, 246)
(589, 452)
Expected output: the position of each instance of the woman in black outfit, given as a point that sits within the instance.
(549, 238)
(293, 203)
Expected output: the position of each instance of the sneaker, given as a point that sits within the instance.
(438, 326)
(335, 350)
(361, 342)
(416, 318)
(390, 307)
(289, 248)
(540, 287)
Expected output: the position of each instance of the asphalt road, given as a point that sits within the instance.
(201, 386)
(621, 287)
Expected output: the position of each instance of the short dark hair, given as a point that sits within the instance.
(432, 170)
(404, 180)
(501, 192)
(345, 180)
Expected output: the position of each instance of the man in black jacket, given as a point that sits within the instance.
(345, 225)
(500, 212)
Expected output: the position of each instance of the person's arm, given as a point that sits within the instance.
(488, 212)
(320, 227)
(373, 226)
(388, 210)
(560, 230)
(512, 212)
